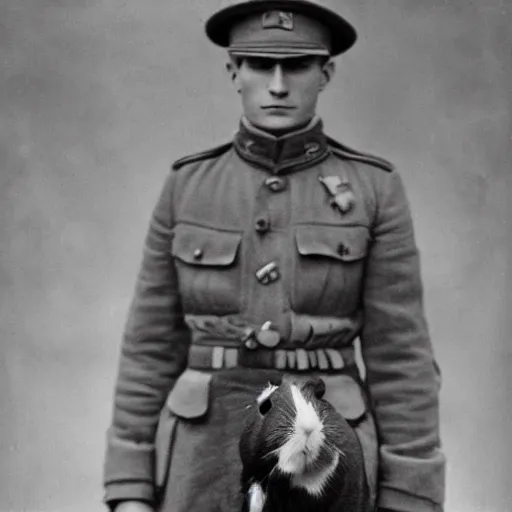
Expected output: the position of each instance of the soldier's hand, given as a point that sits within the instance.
(133, 506)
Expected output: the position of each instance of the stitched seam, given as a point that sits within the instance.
(188, 222)
(333, 225)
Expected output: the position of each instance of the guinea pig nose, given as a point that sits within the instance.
(307, 430)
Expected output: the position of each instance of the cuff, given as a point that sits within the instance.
(128, 470)
(418, 477)
(403, 502)
(124, 491)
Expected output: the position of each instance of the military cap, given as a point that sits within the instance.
(280, 29)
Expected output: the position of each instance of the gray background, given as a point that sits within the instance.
(97, 98)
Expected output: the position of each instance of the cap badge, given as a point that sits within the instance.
(277, 19)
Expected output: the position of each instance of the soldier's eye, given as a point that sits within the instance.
(297, 64)
(260, 63)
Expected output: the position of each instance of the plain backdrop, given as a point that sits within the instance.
(98, 98)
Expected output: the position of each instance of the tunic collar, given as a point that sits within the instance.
(292, 151)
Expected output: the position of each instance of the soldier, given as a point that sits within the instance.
(276, 251)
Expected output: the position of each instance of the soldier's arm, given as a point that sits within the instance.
(403, 376)
(153, 354)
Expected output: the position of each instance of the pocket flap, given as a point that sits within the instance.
(345, 394)
(164, 440)
(202, 246)
(190, 395)
(338, 242)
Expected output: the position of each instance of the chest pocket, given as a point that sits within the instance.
(329, 268)
(208, 269)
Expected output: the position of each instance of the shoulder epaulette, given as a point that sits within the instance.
(351, 154)
(203, 155)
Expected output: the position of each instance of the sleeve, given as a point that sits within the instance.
(402, 375)
(153, 354)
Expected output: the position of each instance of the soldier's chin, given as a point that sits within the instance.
(279, 122)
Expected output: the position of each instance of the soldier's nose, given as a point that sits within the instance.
(277, 85)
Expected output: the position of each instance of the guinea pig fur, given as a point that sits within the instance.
(299, 454)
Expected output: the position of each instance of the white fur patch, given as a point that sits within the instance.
(266, 393)
(304, 443)
(315, 481)
(256, 498)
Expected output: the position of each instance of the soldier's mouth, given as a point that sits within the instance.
(277, 107)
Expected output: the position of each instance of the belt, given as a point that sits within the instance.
(217, 357)
(291, 329)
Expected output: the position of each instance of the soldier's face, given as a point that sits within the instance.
(280, 95)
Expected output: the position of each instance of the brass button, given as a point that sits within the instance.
(198, 254)
(275, 184)
(262, 225)
(268, 336)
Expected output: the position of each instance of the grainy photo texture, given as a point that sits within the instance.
(255, 256)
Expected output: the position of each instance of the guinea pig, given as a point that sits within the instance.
(299, 454)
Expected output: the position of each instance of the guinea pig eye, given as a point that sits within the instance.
(265, 406)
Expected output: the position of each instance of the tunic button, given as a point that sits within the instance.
(262, 225)
(275, 184)
(268, 336)
(198, 254)
(343, 250)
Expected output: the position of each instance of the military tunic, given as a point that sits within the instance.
(275, 253)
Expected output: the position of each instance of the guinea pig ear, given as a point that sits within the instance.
(318, 387)
(276, 381)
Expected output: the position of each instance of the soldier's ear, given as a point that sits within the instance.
(232, 68)
(328, 70)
